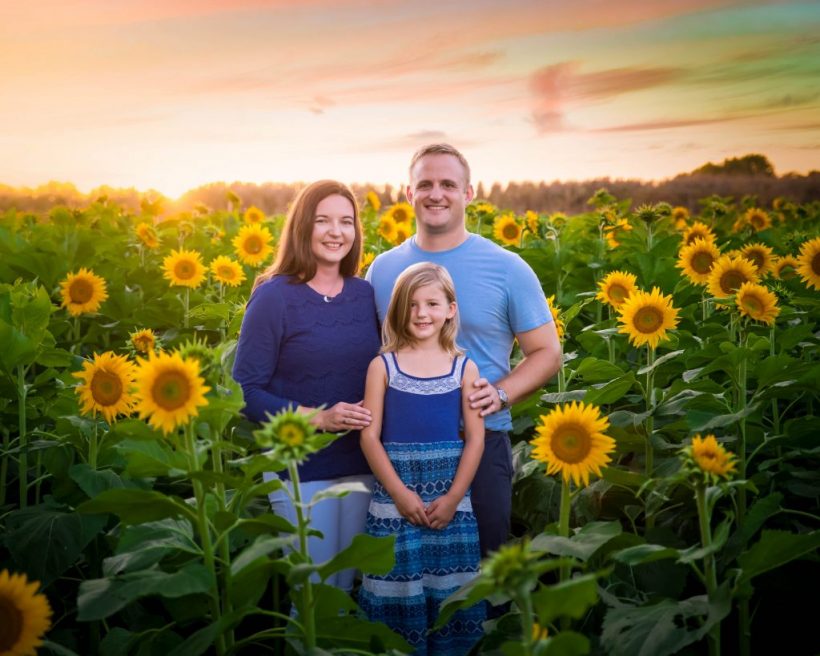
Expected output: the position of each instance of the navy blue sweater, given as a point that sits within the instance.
(296, 349)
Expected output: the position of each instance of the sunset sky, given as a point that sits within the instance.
(172, 94)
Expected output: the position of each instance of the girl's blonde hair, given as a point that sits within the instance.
(395, 332)
(295, 256)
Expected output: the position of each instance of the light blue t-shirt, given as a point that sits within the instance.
(498, 296)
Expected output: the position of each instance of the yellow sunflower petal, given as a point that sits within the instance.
(571, 441)
(757, 302)
(711, 457)
(761, 256)
(809, 263)
(616, 287)
(145, 341)
(169, 390)
(25, 615)
(698, 230)
(227, 271)
(184, 268)
(728, 274)
(507, 230)
(401, 213)
(106, 386)
(646, 316)
(697, 260)
(253, 244)
(83, 292)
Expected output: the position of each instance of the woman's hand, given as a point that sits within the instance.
(441, 510)
(411, 507)
(342, 417)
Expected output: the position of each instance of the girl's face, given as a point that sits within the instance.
(429, 309)
(334, 230)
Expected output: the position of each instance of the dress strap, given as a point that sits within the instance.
(459, 366)
(390, 364)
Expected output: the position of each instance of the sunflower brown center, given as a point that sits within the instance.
(400, 216)
(752, 304)
(81, 291)
(702, 262)
(648, 320)
(756, 257)
(731, 281)
(226, 272)
(571, 443)
(11, 624)
(144, 343)
(253, 245)
(510, 231)
(815, 264)
(184, 270)
(106, 388)
(171, 390)
(618, 293)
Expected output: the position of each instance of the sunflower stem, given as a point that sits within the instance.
(307, 615)
(92, 447)
(710, 573)
(22, 461)
(563, 520)
(204, 531)
(524, 602)
(775, 407)
(650, 429)
(4, 464)
(224, 546)
(187, 305)
(743, 610)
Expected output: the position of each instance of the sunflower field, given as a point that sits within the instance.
(666, 483)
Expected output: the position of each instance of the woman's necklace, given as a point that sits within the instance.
(332, 293)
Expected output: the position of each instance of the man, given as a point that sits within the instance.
(499, 298)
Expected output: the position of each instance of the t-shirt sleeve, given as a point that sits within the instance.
(528, 305)
(257, 352)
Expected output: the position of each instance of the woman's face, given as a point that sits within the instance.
(334, 230)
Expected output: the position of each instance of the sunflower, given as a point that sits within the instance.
(145, 341)
(646, 316)
(373, 200)
(757, 218)
(785, 267)
(227, 271)
(809, 263)
(613, 232)
(367, 260)
(289, 435)
(253, 244)
(507, 230)
(25, 615)
(387, 228)
(533, 222)
(253, 215)
(571, 440)
(184, 268)
(169, 390)
(680, 215)
(559, 219)
(761, 256)
(757, 302)
(556, 316)
(403, 231)
(707, 461)
(401, 213)
(616, 287)
(106, 387)
(698, 230)
(728, 274)
(147, 235)
(697, 260)
(83, 292)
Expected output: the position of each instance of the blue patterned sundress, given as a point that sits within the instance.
(420, 433)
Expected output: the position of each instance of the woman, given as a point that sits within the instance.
(308, 335)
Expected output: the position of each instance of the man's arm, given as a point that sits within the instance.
(542, 359)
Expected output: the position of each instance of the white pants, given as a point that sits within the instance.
(339, 520)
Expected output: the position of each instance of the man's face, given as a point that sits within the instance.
(439, 193)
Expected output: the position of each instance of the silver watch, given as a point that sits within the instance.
(502, 396)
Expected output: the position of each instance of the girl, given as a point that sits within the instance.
(308, 335)
(416, 392)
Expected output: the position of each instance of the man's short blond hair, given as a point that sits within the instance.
(440, 149)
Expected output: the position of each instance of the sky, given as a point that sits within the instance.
(173, 94)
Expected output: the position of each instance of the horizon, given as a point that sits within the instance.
(171, 96)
